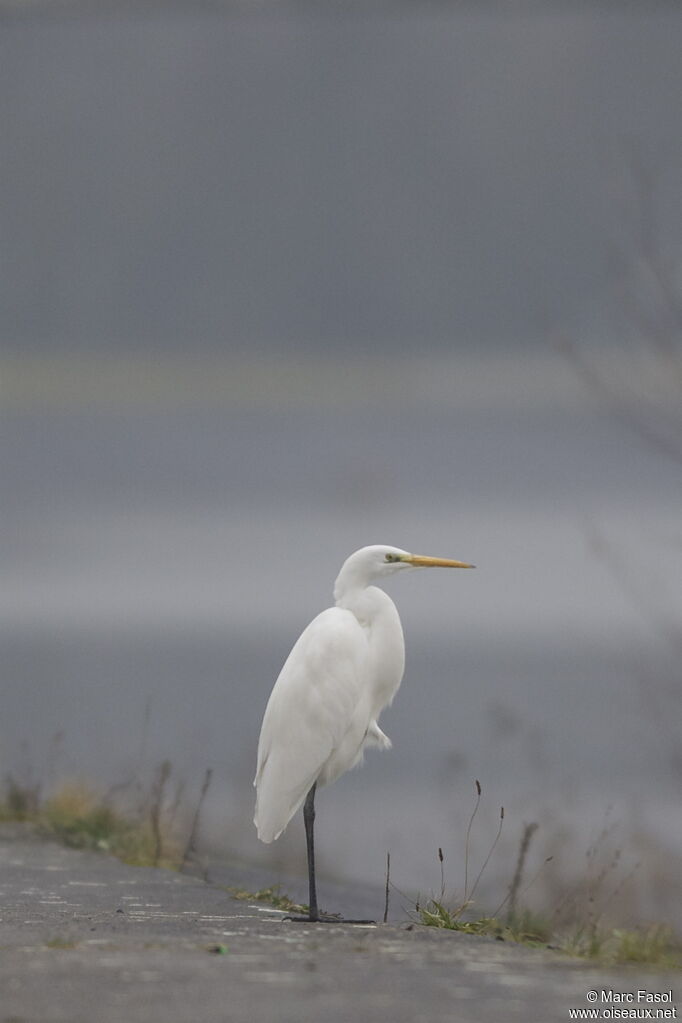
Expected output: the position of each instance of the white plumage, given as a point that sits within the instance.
(345, 667)
(324, 706)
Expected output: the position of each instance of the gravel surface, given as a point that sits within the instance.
(87, 939)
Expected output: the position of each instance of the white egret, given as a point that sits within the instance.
(345, 667)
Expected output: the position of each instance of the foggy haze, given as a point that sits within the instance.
(207, 177)
(279, 283)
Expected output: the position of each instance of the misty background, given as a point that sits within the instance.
(282, 280)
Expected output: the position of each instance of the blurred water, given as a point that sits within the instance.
(159, 564)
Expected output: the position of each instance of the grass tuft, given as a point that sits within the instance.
(77, 817)
(81, 818)
(61, 944)
(526, 929)
(273, 896)
(655, 945)
(20, 802)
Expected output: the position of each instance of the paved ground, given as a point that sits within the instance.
(86, 939)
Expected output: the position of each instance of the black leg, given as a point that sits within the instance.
(314, 913)
(309, 819)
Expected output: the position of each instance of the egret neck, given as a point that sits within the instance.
(377, 613)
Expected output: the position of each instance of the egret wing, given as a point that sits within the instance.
(310, 710)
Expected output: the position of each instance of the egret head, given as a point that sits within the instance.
(377, 561)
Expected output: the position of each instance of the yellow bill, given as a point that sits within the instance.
(424, 561)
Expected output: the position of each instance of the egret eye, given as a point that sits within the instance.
(391, 557)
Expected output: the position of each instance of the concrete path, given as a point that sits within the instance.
(86, 939)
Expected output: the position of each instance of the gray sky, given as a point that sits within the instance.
(386, 178)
